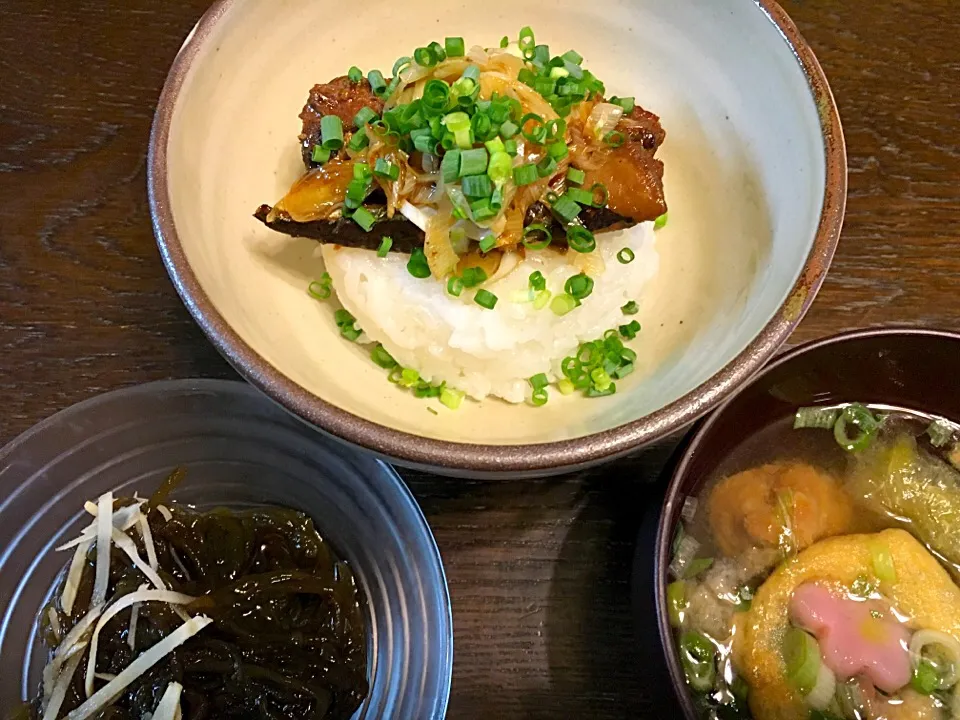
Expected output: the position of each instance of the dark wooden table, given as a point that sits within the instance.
(539, 570)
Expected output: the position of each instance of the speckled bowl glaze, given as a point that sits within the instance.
(755, 181)
(908, 368)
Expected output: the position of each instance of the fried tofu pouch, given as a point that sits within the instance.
(923, 591)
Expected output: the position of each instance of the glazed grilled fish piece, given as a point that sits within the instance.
(631, 173)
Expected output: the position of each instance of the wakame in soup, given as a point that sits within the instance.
(815, 574)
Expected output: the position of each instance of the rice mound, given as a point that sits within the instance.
(488, 352)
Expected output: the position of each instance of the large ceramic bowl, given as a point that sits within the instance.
(755, 181)
(238, 449)
(905, 368)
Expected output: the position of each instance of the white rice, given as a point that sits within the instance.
(489, 352)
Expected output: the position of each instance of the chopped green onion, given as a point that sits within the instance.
(546, 167)
(566, 209)
(476, 186)
(494, 146)
(385, 169)
(801, 653)
(496, 199)
(534, 230)
(614, 138)
(537, 281)
(573, 56)
(556, 129)
(626, 103)
(580, 239)
(565, 386)
(698, 658)
(525, 174)
(436, 95)
(562, 304)
(816, 417)
(660, 222)
(542, 299)
(697, 565)
(425, 57)
(382, 358)
(535, 134)
(504, 42)
(485, 299)
(359, 140)
(347, 324)
(438, 51)
(676, 599)
(417, 264)
(487, 243)
(364, 218)
(601, 379)
(483, 209)
(456, 121)
(408, 377)
(385, 244)
(626, 256)
(473, 162)
(526, 40)
(424, 141)
(500, 167)
(863, 420)
(508, 130)
(482, 127)
(363, 116)
(331, 132)
(454, 46)
(940, 433)
(355, 74)
(377, 83)
(455, 286)
(579, 286)
(451, 398)
(925, 678)
(576, 176)
(631, 308)
(621, 372)
(320, 154)
(450, 166)
(473, 276)
(400, 65)
(472, 72)
(510, 147)
(539, 397)
(539, 381)
(604, 195)
(558, 150)
(630, 330)
(321, 289)
(882, 562)
(579, 196)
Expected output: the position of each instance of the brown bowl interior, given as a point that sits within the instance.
(910, 368)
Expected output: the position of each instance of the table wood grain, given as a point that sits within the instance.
(539, 570)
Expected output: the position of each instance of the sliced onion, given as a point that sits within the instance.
(603, 119)
(822, 694)
(947, 644)
(437, 246)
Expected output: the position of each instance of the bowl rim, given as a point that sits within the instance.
(233, 388)
(664, 536)
(532, 458)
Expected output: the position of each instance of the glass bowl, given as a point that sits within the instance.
(239, 449)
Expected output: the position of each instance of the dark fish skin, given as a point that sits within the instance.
(407, 236)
